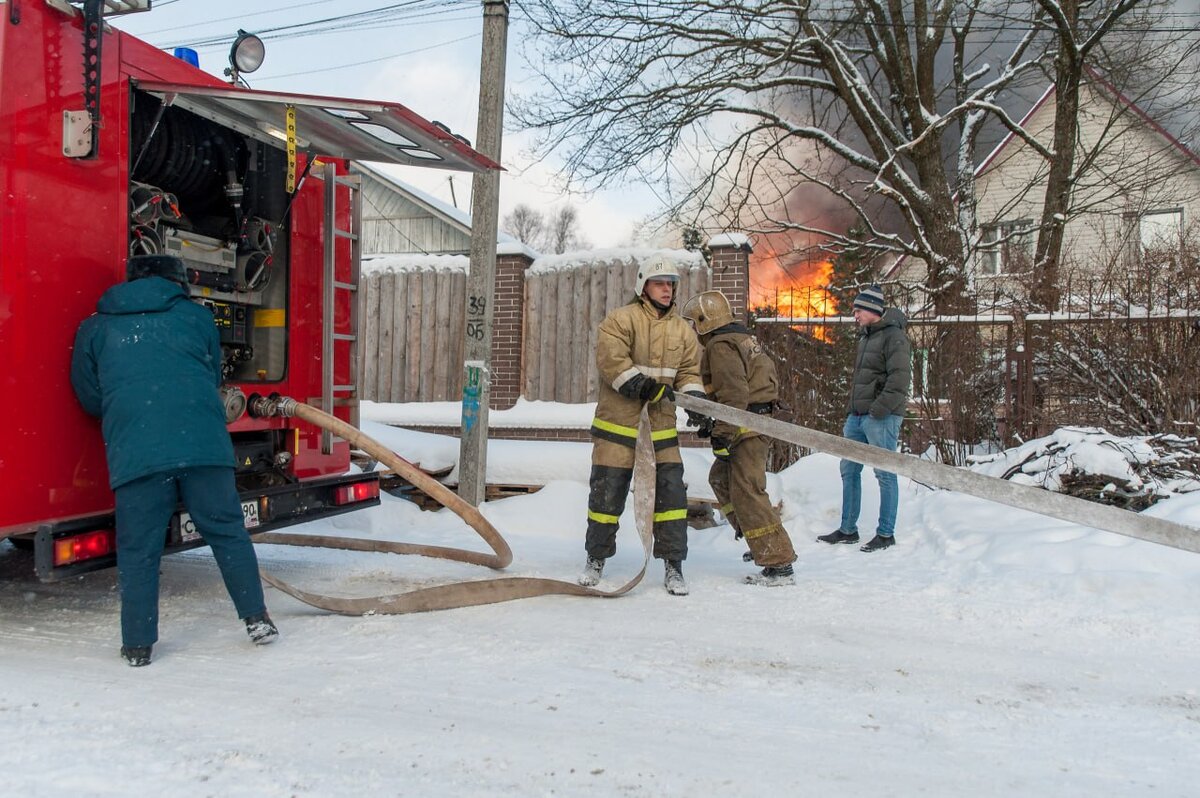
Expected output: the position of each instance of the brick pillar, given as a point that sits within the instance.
(508, 328)
(731, 270)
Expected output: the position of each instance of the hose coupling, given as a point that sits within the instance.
(286, 406)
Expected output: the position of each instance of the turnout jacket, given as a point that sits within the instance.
(148, 363)
(737, 373)
(633, 340)
(882, 367)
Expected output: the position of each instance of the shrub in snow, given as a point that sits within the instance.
(1088, 462)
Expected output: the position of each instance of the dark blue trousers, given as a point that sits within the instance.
(144, 509)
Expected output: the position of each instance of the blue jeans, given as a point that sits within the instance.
(884, 433)
(144, 509)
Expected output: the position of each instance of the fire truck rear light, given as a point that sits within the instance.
(85, 546)
(358, 492)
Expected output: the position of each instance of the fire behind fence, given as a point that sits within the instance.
(1125, 358)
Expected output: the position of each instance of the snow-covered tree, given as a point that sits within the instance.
(809, 117)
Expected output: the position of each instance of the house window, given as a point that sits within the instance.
(1007, 247)
(1160, 230)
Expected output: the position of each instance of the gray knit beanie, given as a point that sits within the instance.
(870, 298)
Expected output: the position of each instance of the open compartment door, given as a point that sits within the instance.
(336, 127)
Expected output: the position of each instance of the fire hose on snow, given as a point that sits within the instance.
(462, 594)
(1044, 502)
(490, 591)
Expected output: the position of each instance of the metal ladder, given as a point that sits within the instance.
(345, 394)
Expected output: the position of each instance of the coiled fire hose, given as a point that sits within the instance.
(461, 594)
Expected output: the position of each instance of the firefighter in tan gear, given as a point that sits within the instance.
(645, 352)
(737, 373)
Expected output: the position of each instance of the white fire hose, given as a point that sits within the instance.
(1044, 502)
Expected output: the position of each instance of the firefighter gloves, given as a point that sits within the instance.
(647, 389)
(720, 448)
(699, 420)
(654, 391)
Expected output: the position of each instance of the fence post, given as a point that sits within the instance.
(731, 270)
(508, 325)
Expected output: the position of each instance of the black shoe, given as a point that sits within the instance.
(673, 578)
(592, 572)
(261, 630)
(878, 542)
(773, 576)
(839, 537)
(136, 656)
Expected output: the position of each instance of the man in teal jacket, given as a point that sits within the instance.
(148, 364)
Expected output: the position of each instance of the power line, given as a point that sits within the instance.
(227, 19)
(368, 61)
(394, 12)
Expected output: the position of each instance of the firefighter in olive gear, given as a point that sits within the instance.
(738, 373)
(644, 353)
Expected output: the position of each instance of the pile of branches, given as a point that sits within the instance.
(1089, 463)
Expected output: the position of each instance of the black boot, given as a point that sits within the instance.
(261, 629)
(673, 578)
(136, 656)
(838, 536)
(773, 576)
(878, 542)
(592, 571)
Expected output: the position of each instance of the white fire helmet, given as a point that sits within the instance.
(708, 311)
(656, 268)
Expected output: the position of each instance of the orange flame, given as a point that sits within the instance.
(795, 292)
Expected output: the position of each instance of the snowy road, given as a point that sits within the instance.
(989, 653)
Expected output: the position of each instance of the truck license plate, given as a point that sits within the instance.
(187, 527)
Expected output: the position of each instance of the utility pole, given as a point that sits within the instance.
(481, 283)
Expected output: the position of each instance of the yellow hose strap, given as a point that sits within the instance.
(291, 148)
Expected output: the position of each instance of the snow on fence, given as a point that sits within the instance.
(566, 298)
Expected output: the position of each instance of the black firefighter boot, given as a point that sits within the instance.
(673, 578)
(773, 576)
(592, 572)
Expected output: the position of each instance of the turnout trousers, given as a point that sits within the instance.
(612, 471)
(740, 485)
(144, 509)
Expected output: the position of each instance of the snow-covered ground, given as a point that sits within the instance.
(991, 652)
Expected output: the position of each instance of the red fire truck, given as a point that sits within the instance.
(111, 147)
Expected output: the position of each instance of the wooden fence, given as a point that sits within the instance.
(563, 310)
(411, 323)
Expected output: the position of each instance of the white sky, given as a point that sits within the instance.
(430, 63)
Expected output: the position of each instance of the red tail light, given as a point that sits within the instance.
(84, 546)
(358, 492)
